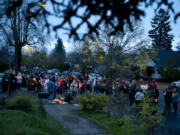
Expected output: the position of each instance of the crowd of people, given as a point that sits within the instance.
(136, 91)
(56, 85)
(71, 86)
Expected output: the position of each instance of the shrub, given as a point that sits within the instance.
(91, 101)
(146, 120)
(23, 102)
(99, 101)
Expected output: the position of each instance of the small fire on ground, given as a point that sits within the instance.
(60, 101)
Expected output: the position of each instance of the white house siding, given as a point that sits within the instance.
(156, 75)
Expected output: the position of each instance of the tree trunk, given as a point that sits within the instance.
(18, 58)
(109, 77)
(109, 103)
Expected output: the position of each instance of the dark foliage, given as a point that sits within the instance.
(59, 47)
(4, 58)
(161, 39)
(58, 55)
(105, 11)
(169, 73)
(149, 71)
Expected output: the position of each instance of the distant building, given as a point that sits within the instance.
(165, 59)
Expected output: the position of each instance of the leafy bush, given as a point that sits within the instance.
(169, 74)
(146, 120)
(23, 102)
(92, 101)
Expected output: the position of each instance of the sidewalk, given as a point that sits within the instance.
(74, 123)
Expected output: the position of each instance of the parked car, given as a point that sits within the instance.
(67, 72)
(176, 83)
(1, 76)
(53, 71)
(94, 76)
(49, 71)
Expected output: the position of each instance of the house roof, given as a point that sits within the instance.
(167, 58)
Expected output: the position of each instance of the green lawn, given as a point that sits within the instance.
(30, 122)
(127, 125)
(14, 122)
(101, 119)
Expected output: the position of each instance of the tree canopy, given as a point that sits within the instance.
(105, 12)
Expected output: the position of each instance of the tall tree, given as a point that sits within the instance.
(160, 33)
(58, 55)
(116, 47)
(19, 31)
(60, 50)
(112, 51)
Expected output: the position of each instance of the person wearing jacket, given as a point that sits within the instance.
(175, 100)
(155, 96)
(132, 92)
(59, 87)
(168, 100)
(51, 85)
(139, 96)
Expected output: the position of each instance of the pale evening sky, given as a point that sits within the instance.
(145, 21)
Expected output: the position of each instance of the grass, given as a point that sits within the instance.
(19, 122)
(101, 119)
(24, 100)
(15, 122)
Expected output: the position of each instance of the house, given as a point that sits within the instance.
(165, 58)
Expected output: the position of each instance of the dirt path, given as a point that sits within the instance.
(75, 124)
